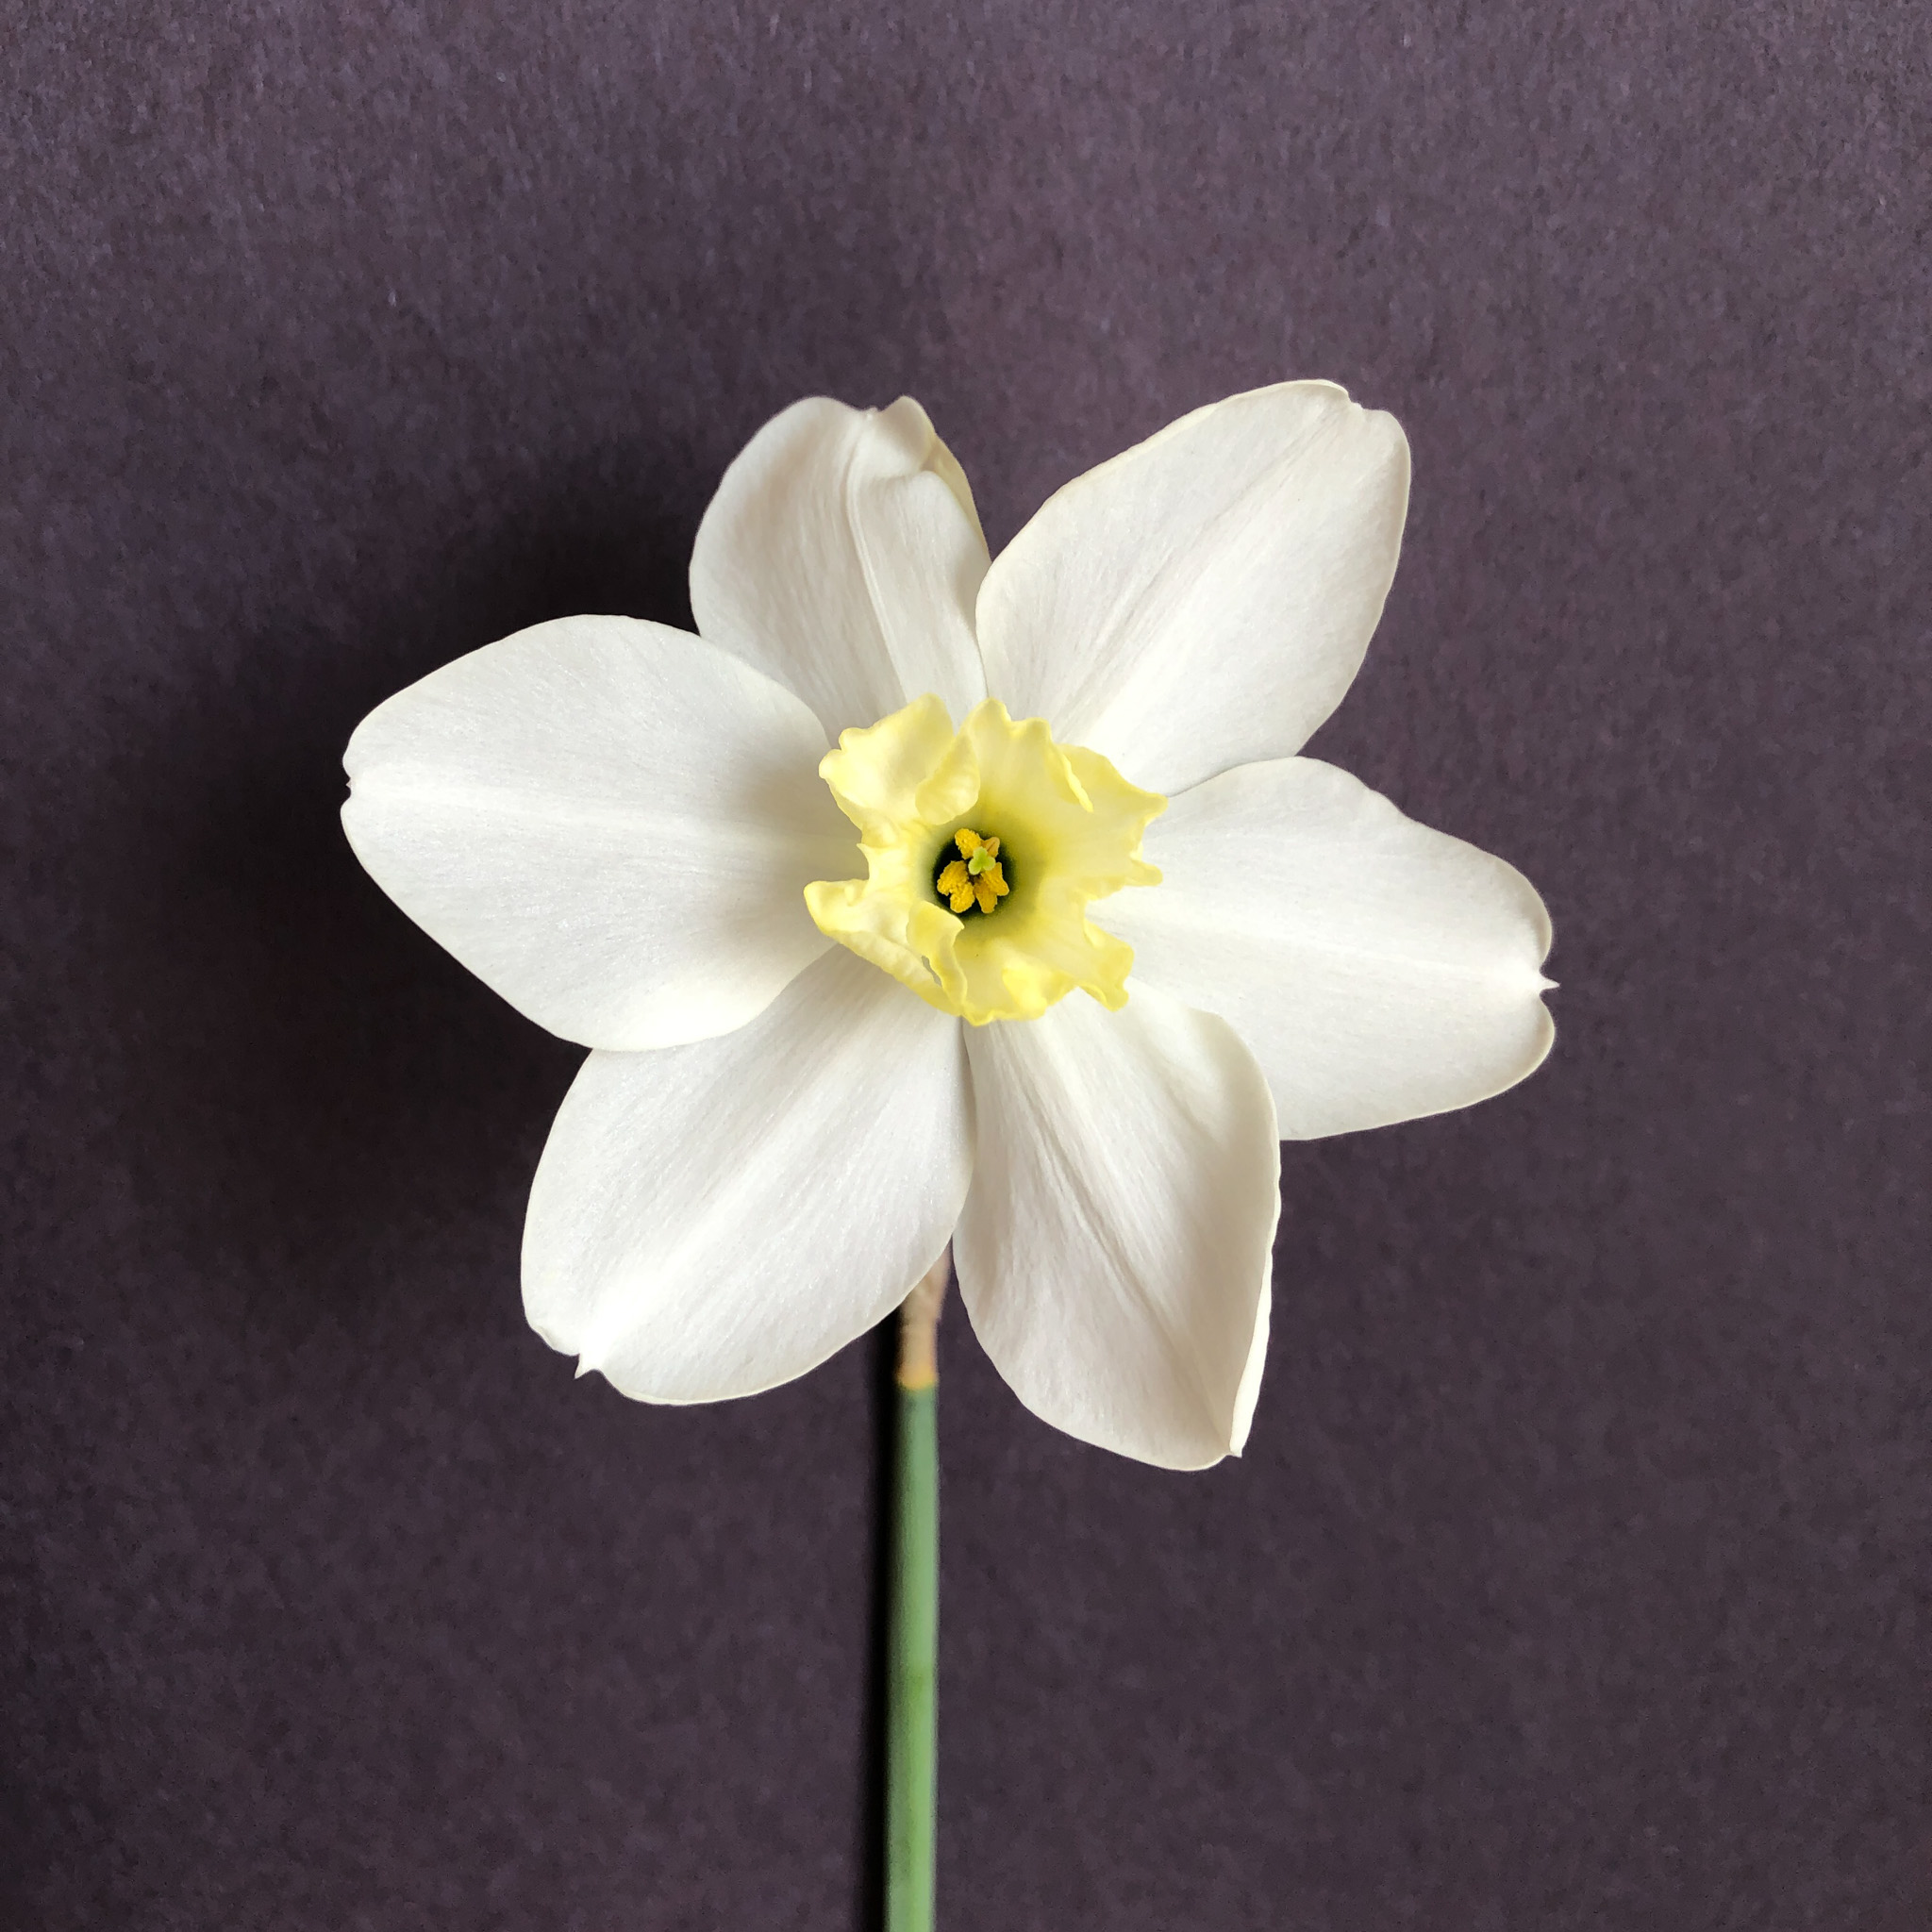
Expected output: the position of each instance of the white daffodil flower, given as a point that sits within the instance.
(829, 991)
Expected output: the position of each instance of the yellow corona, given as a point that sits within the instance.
(984, 847)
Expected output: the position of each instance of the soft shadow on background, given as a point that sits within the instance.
(1575, 1573)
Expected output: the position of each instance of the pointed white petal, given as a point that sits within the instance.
(1114, 1251)
(713, 1219)
(1379, 970)
(1204, 599)
(841, 556)
(609, 822)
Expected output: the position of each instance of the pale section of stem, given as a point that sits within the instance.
(912, 1637)
(919, 1326)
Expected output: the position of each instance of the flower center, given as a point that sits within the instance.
(977, 877)
(923, 796)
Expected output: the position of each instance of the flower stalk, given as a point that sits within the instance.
(912, 1623)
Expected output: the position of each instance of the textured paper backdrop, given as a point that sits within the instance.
(1576, 1573)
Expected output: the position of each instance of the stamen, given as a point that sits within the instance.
(976, 879)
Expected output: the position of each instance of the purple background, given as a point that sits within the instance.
(1575, 1576)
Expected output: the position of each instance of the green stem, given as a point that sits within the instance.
(913, 1630)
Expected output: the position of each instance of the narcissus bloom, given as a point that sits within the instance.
(921, 899)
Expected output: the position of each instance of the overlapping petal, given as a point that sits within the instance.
(1114, 1250)
(1204, 599)
(711, 1220)
(843, 556)
(1380, 970)
(609, 822)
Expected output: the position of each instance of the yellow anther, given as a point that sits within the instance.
(975, 877)
(956, 884)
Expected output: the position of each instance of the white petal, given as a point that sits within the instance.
(714, 1219)
(1204, 599)
(1379, 970)
(609, 822)
(841, 556)
(1114, 1252)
